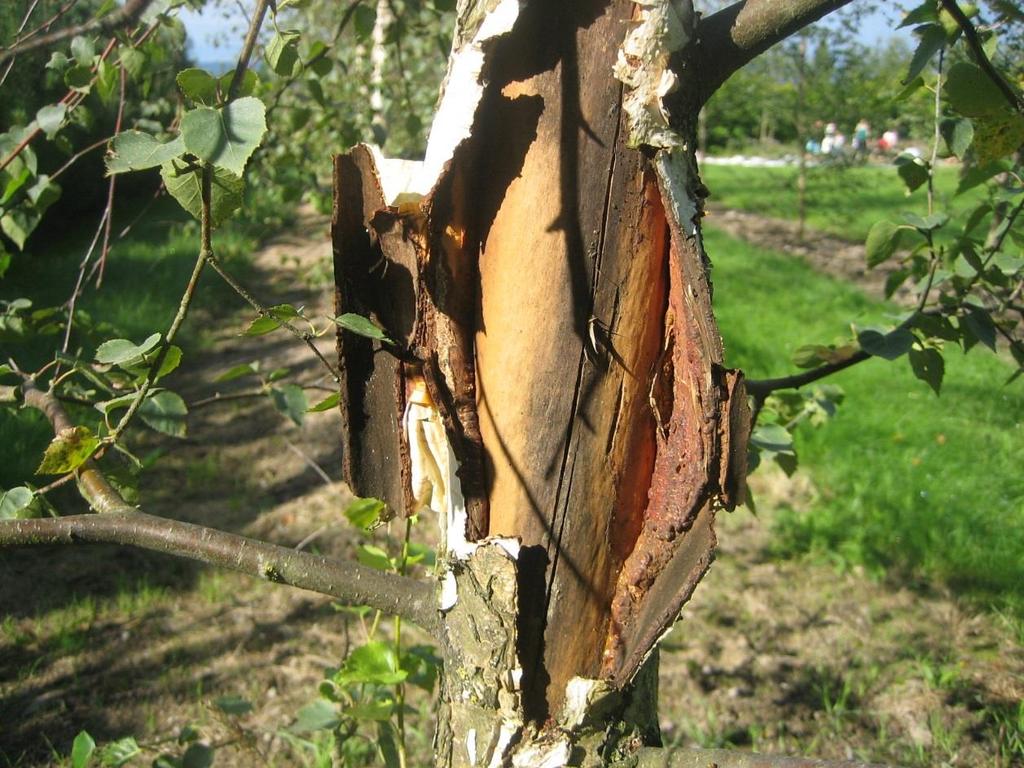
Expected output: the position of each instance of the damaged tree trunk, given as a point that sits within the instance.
(552, 387)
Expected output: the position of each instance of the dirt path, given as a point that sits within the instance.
(788, 656)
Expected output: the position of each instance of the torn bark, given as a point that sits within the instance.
(551, 281)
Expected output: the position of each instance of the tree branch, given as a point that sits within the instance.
(121, 523)
(761, 388)
(677, 757)
(974, 43)
(123, 16)
(729, 39)
(349, 582)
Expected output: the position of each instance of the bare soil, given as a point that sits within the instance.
(790, 657)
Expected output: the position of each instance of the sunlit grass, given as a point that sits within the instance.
(910, 484)
(843, 201)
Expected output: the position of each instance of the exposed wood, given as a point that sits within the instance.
(562, 308)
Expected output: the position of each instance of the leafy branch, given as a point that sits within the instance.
(120, 523)
(981, 58)
(122, 17)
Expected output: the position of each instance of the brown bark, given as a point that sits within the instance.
(550, 285)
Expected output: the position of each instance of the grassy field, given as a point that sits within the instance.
(843, 201)
(145, 275)
(922, 488)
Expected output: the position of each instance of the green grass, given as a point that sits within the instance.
(145, 276)
(843, 201)
(912, 485)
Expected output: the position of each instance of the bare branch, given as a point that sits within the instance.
(123, 16)
(727, 40)
(678, 757)
(349, 582)
(759, 389)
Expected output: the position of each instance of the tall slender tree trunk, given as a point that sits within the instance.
(545, 285)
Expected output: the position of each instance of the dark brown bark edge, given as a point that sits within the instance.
(120, 523)
(670, 757)
(727, 40)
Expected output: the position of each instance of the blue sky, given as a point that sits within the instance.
(227, 23)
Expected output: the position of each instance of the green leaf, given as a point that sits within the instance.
(978, 323)
(282, 53)
(375, 662)
(321, 715)
(361, 326)
(958, 135)
(78, 78)
(888, 346)
(262, 325)
(373, 711)
(883, 241)
(923, 13)
(329, 402)
(165, 412)
(290, 400)
(51, 118)
(18, 503)
(979, 174)
(185, 186)
(233, 705)
(197, 756)
(250, 80)
(913, 170)
(134, 61)
(971, 93)
(373, 557)
(20, 222)
(363, 21)
(82, 749)
(198, 85)
(772, 437)
(227, 136)
(107, 77)
(932, 38)
(58, 61)
(83, 50)
(364, 513)
(68, 451)
(136, 150)
(119, 752)
(278, 373)
(928, 366)
(998, 136)
(245, 369)
(122, 351)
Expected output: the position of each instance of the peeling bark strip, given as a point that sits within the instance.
(549, 277)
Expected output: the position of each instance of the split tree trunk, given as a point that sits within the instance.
(544, 283)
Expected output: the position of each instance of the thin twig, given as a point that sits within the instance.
(205, 253)
(309, 461)
(303, 336)
(18, 37)
(113, 179)
(79, 155)
(247, 48)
